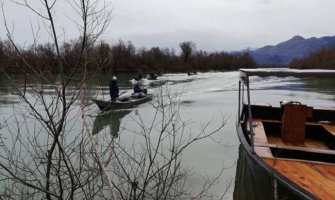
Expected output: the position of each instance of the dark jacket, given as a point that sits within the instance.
(113, 88)
(137, 88)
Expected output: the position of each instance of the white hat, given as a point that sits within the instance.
(114, 78)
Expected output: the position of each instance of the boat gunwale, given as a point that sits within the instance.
(286, 72)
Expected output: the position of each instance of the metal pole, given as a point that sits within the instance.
(239, 101)
(242, 93)
(250, 117)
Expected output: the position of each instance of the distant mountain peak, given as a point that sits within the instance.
(296, 47)
(298, 37)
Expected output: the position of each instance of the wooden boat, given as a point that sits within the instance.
(122, 104)
(293, 143)
(191, 73)
(151, 76)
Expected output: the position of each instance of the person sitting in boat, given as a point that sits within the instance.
(138, 91)
(113, 89)
(152, 76)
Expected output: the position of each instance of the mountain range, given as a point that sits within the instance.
(284, 52)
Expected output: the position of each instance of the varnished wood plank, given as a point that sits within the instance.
(259, 132)
(316, 178)
(303, 149)
(309, 143)
(329, 128)
(260, 138)
(326, 170)
(264, 152)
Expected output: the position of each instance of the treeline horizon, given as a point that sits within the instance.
(321, 59)
(120, 57)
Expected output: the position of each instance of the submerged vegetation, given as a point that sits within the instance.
(123, 56)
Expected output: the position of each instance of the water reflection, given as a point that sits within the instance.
(111, 120)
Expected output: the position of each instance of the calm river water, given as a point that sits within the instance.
(205, 97)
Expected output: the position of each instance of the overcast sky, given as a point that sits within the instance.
(213, 25)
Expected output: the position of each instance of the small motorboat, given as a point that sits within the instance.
(124, 103)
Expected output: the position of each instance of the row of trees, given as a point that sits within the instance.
(322, 59)
(47, 148)
(122, 56)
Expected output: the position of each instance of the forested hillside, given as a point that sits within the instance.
(121, 57)
(322, 59)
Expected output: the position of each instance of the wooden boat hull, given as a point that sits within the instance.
(108, 105)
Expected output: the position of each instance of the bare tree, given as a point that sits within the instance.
(47, 163)
(50, 151)
(151, 166)
(187, 48)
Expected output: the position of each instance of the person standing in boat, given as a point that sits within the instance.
(113, 89)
